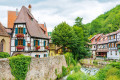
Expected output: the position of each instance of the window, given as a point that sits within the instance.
(45, 55)
(20, 41)
(94, 46)
(113, 44)
(110, 38)
(109, 45)
(36, 42)
(114, 36)
(20, 30)
(116, 44)
(38, 56)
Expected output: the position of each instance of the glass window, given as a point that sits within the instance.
(20, 41)
(20, 30)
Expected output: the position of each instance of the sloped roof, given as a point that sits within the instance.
(11, 18)
(3, 31)
(114, 32)
(44, 28)
(32, 25)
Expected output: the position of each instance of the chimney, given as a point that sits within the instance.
(16, 11)
(29, 7)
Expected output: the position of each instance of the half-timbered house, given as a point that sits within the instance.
(27, 36)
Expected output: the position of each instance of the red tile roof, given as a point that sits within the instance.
(3, 31)
(44, 28)
(11, 18)
(32, 25)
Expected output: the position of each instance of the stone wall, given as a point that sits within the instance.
(40, 68)
(5, 72)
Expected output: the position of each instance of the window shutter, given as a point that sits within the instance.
(34, 42)
(24, 30)
(16, 42)
(39, 56)
(23, 42)
(16, 30)
(38, 42)
(35, 55)
(44, 43)
(46, 55)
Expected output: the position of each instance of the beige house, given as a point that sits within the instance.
(4, 40)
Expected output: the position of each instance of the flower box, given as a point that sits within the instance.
(46, 47)
(29, 45)
(19, 47)
(37, 47)
(20, 35)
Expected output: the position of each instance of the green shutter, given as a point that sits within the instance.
(16, 42)
(39, 56)
(24, 30)
(38, 43)
(23, 42)
(16, 30)
(44, 43)
(34, 42)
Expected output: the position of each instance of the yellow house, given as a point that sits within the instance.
(54, 49)
(4, 40)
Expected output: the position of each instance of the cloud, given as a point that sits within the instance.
(54, 12)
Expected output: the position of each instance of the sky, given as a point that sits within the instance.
(53, 12)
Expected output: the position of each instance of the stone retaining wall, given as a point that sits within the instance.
(40, 68)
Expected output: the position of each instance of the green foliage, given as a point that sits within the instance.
(4, 55)
(115, 64)
(63, 35)
(101, 75)
(19, 66)
(77, 68)
(95, 62)
(64, 73)
(105, 23)
(69, 58)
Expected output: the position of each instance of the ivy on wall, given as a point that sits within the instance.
(19, 66)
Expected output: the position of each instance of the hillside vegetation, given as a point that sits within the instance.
(105, 23)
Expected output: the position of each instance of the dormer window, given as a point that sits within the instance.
(20, 30)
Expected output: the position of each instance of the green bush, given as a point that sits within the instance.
(77, 68)
(19, 66)
(95, 62)
(115, 64)
(64, 71)
(4, 55)
(69, 58)
(101, 75)
(77, 76)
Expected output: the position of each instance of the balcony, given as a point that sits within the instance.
(113, 48)
(20, 47)
(19, 35)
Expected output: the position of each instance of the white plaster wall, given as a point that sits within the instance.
(113, 56)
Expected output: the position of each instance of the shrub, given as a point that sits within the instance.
(95, 62)
(77, 68)
(115, 64)
(19, 66)
(4, 55)
(113, 77)
(77, 76)
(101, 75)
(64, 71)
(69, 58)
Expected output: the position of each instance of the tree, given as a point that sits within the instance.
(64, 35)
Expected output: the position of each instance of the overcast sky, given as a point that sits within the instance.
(54, 12)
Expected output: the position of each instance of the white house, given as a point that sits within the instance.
(27, 36)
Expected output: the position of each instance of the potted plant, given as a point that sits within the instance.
(19, 47)
(46, 47)
(37, 47)
(20, 35)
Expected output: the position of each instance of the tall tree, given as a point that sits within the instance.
(64, 35)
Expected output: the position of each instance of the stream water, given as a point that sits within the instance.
(90, 71)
